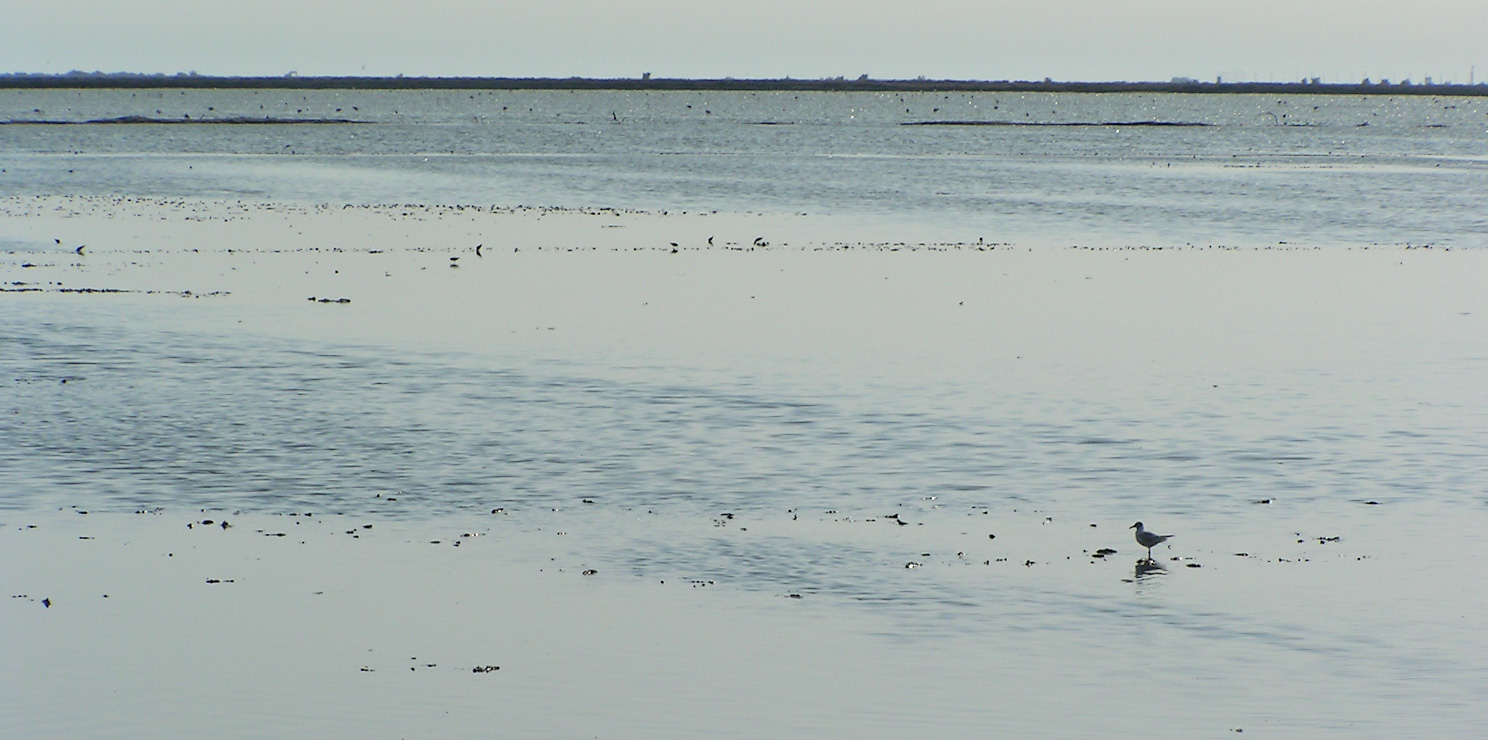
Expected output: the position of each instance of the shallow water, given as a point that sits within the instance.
(751, 448)
(1313, 170)
(770, 471)
(177, 402)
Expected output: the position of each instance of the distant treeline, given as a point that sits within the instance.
(836, 84)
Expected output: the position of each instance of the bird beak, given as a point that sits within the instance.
(1132, 527)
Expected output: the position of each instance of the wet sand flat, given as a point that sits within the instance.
(804, 481)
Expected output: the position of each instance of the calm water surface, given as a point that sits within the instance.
(1315, 170)
(997, 488)
(1329, 505)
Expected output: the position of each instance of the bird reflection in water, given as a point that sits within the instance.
(1146, 567)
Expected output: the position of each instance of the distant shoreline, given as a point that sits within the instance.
(290, 82)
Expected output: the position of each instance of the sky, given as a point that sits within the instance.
(1087, 40)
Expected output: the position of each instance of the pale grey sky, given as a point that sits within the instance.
(1338, 40)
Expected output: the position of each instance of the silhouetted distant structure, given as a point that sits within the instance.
(1313, 85)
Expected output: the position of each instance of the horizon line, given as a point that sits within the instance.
(292, 80)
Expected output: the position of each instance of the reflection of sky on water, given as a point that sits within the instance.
(760, 426)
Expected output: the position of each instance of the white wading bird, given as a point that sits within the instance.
(1147, 539)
